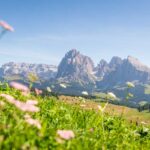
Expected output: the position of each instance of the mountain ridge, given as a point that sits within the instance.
(74, 64)
(79, 73)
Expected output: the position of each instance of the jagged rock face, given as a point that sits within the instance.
(137, 64)
(131, 69)
(23, 69)
(115, 62)
(76, 67)
(102, 68)
(105, 68)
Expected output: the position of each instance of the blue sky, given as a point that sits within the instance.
(46, 29)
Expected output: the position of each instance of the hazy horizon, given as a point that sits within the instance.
(46, 30)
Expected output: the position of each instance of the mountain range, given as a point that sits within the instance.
(78, 72)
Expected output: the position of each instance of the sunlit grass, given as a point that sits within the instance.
(130, 114)
(70, 115)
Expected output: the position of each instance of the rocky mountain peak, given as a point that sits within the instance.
(115, 61)
(102, 62)
(137, 64)
(75, 66)
(102, 68)
(131, 69)
(133, 60)
(72, 53)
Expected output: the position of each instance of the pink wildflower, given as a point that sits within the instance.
(32, 102)
(21, 105)
(32, 108)
(32, 121)
(6, 26)
(19, 86)
(9, 98)
(38, 92)
(66, 134)
(25, 93)
(26, 107)
(91, 130)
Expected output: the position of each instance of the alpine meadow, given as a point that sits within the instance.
(74, 75)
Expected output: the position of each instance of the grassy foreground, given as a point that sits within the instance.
(92, 129)
(129, 114)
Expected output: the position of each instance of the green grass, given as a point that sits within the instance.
(147, 89)
(129, 114)
(92, 130)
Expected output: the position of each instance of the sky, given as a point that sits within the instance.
(46, 29)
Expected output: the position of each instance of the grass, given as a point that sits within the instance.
(147, 89)
(130, 114)
(92, 131)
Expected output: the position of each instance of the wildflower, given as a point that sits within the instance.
(32, 108)
(19, 86)
(130, 95)
(136, 134)
(38, 92)
(102, 109)
(25, 93)
(9, 98)
(32, 102)
(130, 84)
(85, 93)
(6, 26)
(49, 89)
(21, 105)
(2, 103)
(91, 130)
(32, 121)
(63, 86)
(111, 95)
(66, 134)
(59, 140)
(144, 123)
(145, 129)
(27, 107)
(27, 116)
